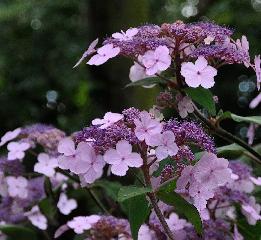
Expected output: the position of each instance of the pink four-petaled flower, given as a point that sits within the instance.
(10, 135)
(104, 53)
(122, 158)
(81, 160)
(156, 61)
(17, 186)
(199, 73)
(66, 205)
(16, 150)
(108, 119)
(146, 127)
(165, 143)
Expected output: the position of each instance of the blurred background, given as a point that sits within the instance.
(41, 40)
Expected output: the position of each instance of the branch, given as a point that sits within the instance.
(219, 131)
(153, 200)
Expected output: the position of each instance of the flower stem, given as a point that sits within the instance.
(153, 199)
(219, 131)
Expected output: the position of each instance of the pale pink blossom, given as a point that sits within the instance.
(255, 102)
(17, 150)
(146, 127)
(251, 211)
(256, 181)
(199, 73)
(108, 119)
(66, 205)
(242, 185)
(17, 186)
(243, 45)
(104, 53)
(212, 171)
(156, 61)
(175, 223)
(89, 51)
(125, 36)
(145, 233)
(37, 218)
(184, 179)
(83, 160)
(257, 62)
(46, 165)
(200, 194)
(165, 143)
(81, 223)
(185, 106)
(122, 158)
(9, 136)
(208, 40)
(137, 72)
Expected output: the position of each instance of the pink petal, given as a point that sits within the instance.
(119, 169)
(66, 146)
(123, 148)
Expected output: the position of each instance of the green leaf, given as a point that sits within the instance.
(131, 191)
(138, 213)
(250, 119)
(147, 82)
(48, 208)
(203, 97)
(231, 149)
(110, 188)
(170, 197)
(236, 118)
(250, 232)
(162, 164)
(17, 232)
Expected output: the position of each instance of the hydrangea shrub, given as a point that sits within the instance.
(150, 177)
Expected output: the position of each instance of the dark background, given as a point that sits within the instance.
(40, 41)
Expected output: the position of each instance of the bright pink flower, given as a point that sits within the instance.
(81, 223)
(185, 106)
(258, 70)
(37, 218)
(17, 186)
(146, 127)
(199, 73)
(212, 171)
(255, 102)
(104, 54)
(9, 136)
(17, 149)
(156, 61)
(122, 36)
(175, 223)
(122, 158)
(89, 51)
(46, 165)
(165, 143)
(66, 205)
(251, 211)
(108, 119)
